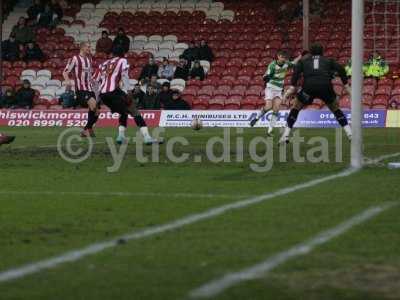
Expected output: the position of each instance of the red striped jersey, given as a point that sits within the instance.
(110, 74)
(82, 71)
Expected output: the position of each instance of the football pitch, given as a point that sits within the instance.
(168, 230)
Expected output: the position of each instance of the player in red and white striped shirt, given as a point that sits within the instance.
(110, 75)
(81, 68)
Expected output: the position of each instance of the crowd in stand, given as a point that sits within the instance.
(155, 97)
(22, 98)
(21, 43)
(149, 93)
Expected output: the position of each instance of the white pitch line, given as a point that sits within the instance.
(33, 147)
(78, 254)
(75, 255)
(125, 194)
(217, 286)
(380, 158)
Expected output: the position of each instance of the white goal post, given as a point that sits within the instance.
(357, 54)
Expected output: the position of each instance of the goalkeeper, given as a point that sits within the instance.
(274, 78)
(317, 72)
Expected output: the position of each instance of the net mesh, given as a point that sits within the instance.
(382, 30)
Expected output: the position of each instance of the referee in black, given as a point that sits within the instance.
(318, 72)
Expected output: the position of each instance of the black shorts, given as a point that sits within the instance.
(117, 101)
(325, 92)
(82, 97)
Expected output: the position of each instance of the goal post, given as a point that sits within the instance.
(357, 54)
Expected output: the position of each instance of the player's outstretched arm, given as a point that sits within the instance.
(297, 59)
(343, 76)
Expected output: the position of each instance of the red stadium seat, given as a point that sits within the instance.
(250, 102)
(232, 104)
(345, 102)
(216, 104)
(383, 90)
(200, 104)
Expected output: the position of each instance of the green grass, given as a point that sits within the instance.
(362, 264)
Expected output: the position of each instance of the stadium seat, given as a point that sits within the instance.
(380, 102)
(216, 103)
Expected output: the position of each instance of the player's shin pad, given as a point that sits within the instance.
(140, 122)
(92, 118)
(292, 118)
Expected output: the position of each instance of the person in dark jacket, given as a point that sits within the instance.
(47, 17)
(104, 44)
(191, 54)
(35, 10)
(149, 70)
(8, 99)
(33, 52)
(22, 32)
(25, 95)
(57, 9)
(182, 70)
(10, 49)
(137, 95)
(165, 96)
(205, 52)
(121, 40)
(177, 102)
(197, 72)
(150, 99)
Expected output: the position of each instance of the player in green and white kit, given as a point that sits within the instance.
(274, 77)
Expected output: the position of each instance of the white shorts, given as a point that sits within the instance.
(271, 94)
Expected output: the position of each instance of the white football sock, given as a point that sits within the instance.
(286, 132)
(347, 130)
(145, 132)
(261, 113)
(272, 122)
(121, 131)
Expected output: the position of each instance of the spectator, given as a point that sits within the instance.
(122, 40)
(67, 99)
(148, 70)
(182, 70)
(197, 72)
(191, 54)
(177, 102)
(166, 70)
(8, 99)
(47, 17)
(205, 52)
(376, 66)
(22, 32)
(33, 52)
(347, 68)
(64, 4)
(150, 99)
(153, 82)
(104, 44)
(394, 105)
(57, 9)
(25, 95)
(36, 9)
(138, 95)
(10, 49)
(165, 96)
